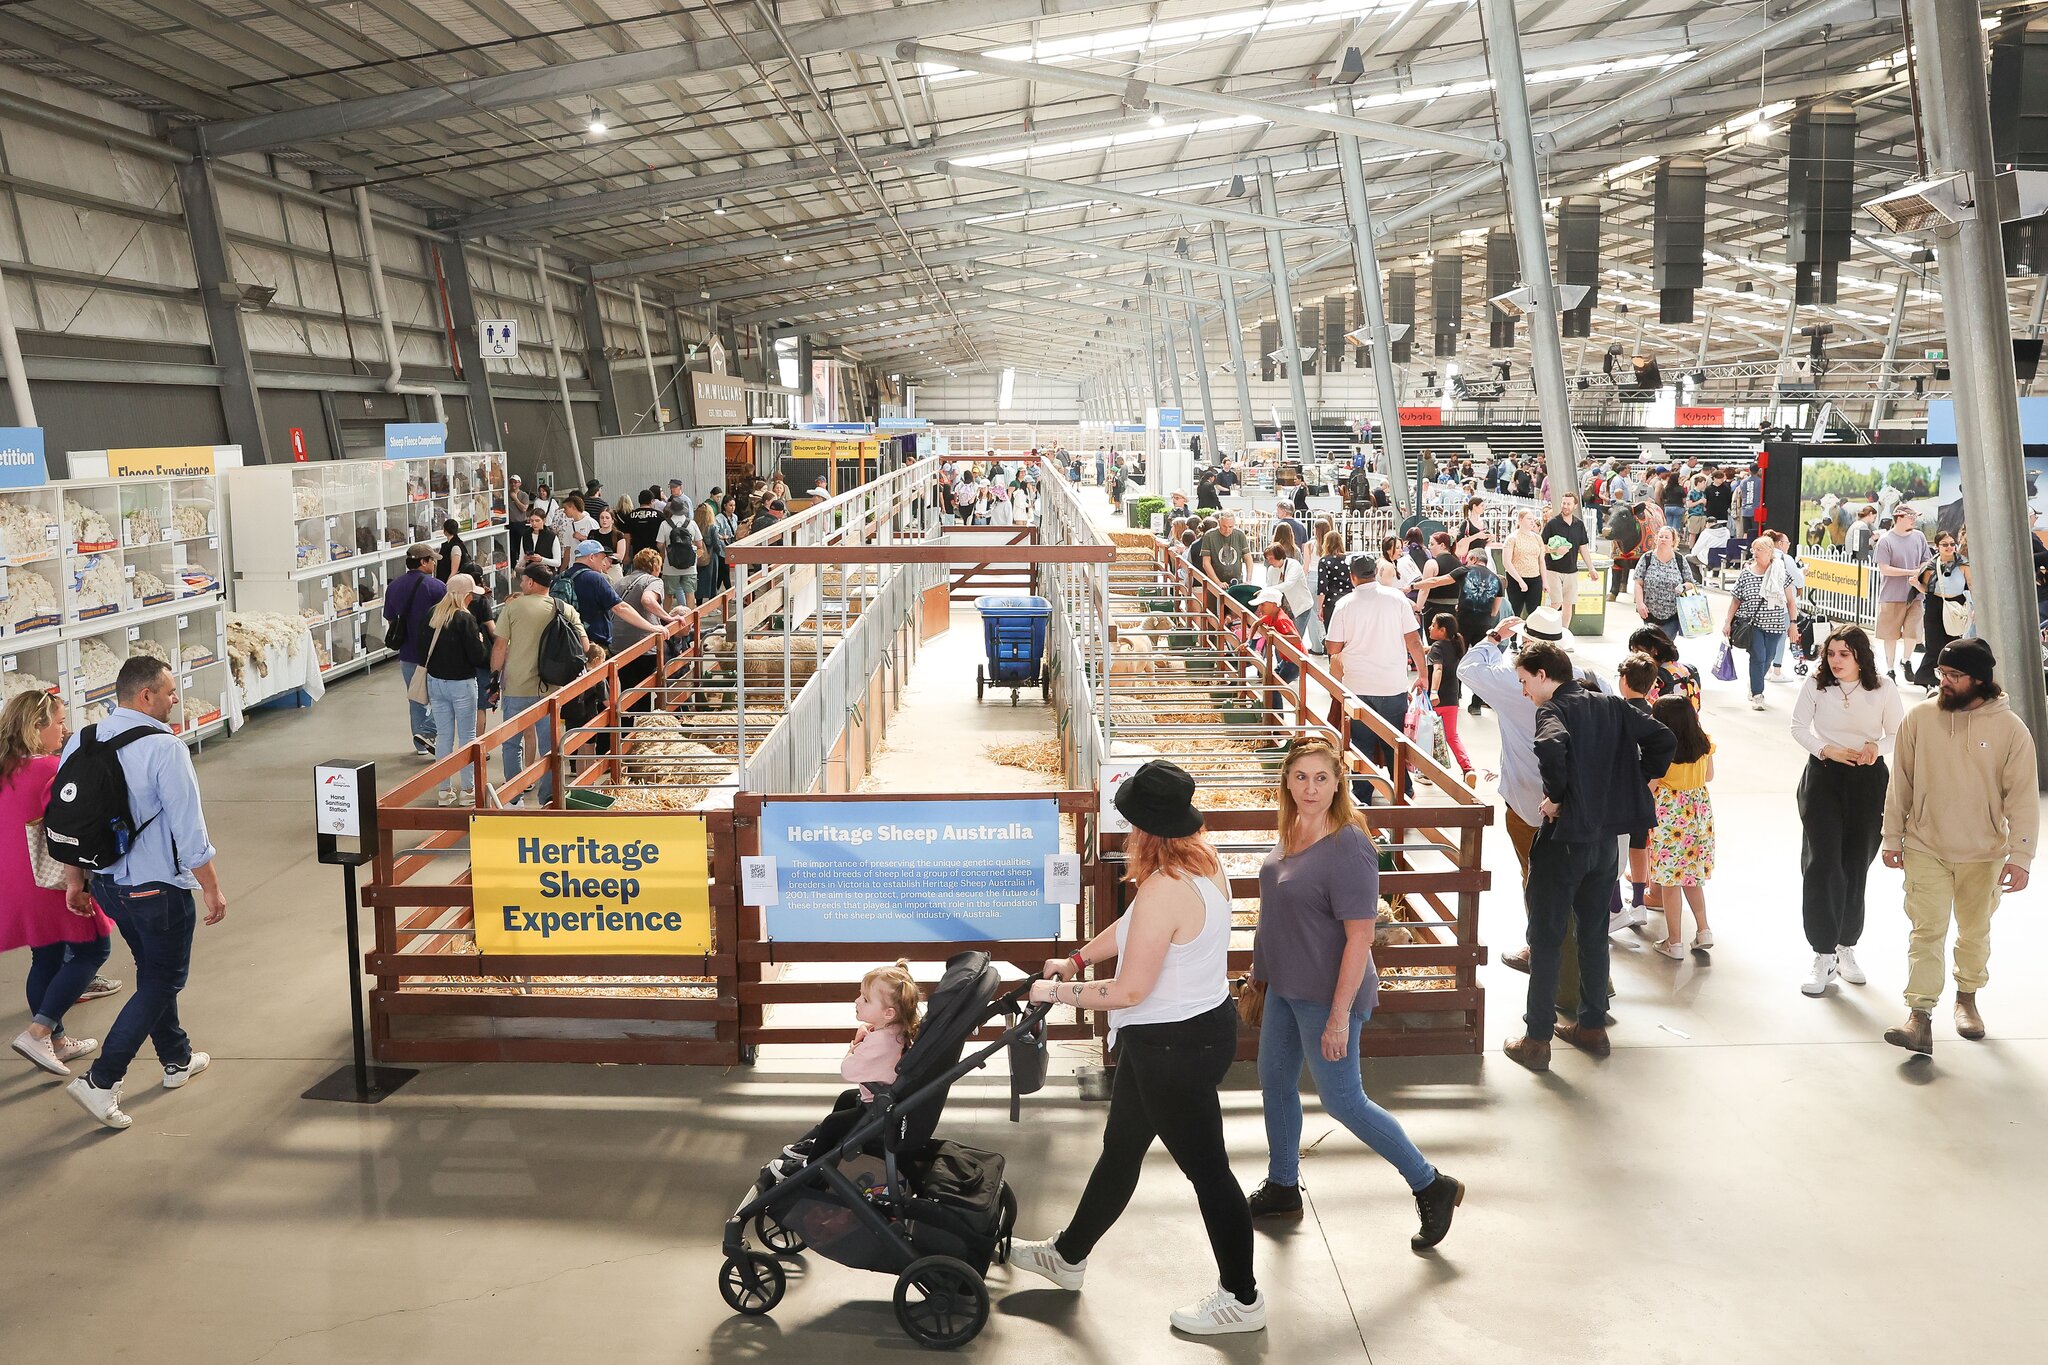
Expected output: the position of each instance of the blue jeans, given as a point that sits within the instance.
(156, 920)
(1292, 1033)
(58, 974)
(1393, 710)
(420, 714)
(514, 749)
(454, 703)
(1763, 648)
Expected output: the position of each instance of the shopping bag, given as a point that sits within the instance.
(1419, 720)
(1695, 616)
(1724, 667)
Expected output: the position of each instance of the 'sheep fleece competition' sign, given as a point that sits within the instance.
(565, 885)
(911, 871)
(410, 440)
(22, 462)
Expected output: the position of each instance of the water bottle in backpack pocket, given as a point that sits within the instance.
(88, 823)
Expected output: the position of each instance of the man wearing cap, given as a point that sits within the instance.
(771, 512)
(515, 657)
(1597, 756)
(1961, 817)
(1372, 641)
(1899, 554)
(410, 599)
(597, 601)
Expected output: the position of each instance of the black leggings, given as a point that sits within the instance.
(1166, 1081)
(1522, 601)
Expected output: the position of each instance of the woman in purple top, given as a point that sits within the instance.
(1318, 909)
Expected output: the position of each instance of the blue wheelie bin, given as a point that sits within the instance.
(1013, 629)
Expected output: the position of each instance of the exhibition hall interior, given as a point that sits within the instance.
(796, 680)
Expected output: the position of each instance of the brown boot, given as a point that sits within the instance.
(1533, 1053)
(1591, 1040)
(1917, 1035)
(1969, 1023)
(1518, 959)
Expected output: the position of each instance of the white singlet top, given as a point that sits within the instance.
(1194, 979)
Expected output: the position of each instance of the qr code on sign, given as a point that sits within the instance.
(1062, 867)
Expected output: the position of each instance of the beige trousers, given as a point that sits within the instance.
(1937, 891)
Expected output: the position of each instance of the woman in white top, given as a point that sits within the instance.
(1847, 717)
(1170, 1009)
(1287, 575)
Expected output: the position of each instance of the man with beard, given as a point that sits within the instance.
(1961, 818)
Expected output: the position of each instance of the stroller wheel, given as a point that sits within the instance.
(940, 1302)
(752, 1284)
(777, 1238)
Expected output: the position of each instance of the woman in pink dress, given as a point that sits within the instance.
(65, 949)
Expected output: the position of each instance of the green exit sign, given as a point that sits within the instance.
(1937, 355)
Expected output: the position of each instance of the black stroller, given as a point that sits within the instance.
(1805, 629)
(890, 1197)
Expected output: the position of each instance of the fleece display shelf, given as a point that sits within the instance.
(92, 570)
(321, 541)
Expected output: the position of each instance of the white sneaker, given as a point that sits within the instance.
(1040, 1258)
(1756, 703)
(104, 1105)
(1848, 968)
(41, 1053)
(1703, 940)
(1628, 917)
(1219, 1313)
(70, 1049)
(177, 1076)
(1671, 948)
(1816, 982)
(448, 797)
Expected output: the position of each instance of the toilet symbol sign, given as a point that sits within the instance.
(499, 338)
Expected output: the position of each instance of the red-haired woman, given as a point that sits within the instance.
(1170, 1010)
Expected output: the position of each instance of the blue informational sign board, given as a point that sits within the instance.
(913, 871)
(1941, 421)
(410, 440)
(1128, 428)
(23, 463)
(1169, 419)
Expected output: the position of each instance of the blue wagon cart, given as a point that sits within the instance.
(1014, 631)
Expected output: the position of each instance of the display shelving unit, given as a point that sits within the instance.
(320, 541)
(97, 569)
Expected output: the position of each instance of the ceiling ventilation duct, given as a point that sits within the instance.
(1680, 237)
(1820, 196)
(1447, 300)
(1503, 273)
(1578, 250)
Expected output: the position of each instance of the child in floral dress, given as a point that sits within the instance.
(1682, 843)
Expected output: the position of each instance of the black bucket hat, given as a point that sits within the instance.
(1159, 799)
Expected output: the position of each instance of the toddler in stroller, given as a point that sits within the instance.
(887, 1011)
(882, 1193)
(1804, 627)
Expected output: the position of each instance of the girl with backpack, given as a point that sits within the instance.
(1682, 840)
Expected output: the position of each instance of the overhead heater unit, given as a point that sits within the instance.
(1520, 302)
(1397, 332)
(1927, 205)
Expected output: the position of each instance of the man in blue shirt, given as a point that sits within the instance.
(412, 595)
(594, 593)
(148, 892)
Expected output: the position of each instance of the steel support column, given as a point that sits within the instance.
(1532, 243)
(647, 355)
(1366, 265)
(1784, 354)
(483, 412)
(595, 362)
(1219, 246)
(1201, 359)
(222, 301)
(1881, 404)
(1955, 104)
(1283, 305)
(1172, 356)
(550, 333)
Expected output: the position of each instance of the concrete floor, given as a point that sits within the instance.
(1752, 1177)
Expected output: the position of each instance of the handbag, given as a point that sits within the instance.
(1695, 615)
(1724, 667)
(1957, 615)
(1742, 632)
(49, 873)
(394, 629)
(1251, 1002)
(416, 690)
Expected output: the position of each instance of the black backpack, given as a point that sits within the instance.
(560, 660)
(682, 547)
(88, 822)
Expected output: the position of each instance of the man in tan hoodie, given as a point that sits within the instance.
(1961, 817)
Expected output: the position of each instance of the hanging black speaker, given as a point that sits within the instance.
(2019, 131)
(1679, 236)
(1308, 325)
(1503, 272)
(1336, 309)
(1578, 252)
(1820, 198)
(1447, 300)
(1400, 309)
(1269, 342)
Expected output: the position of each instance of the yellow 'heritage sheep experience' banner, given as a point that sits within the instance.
(568, 885)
